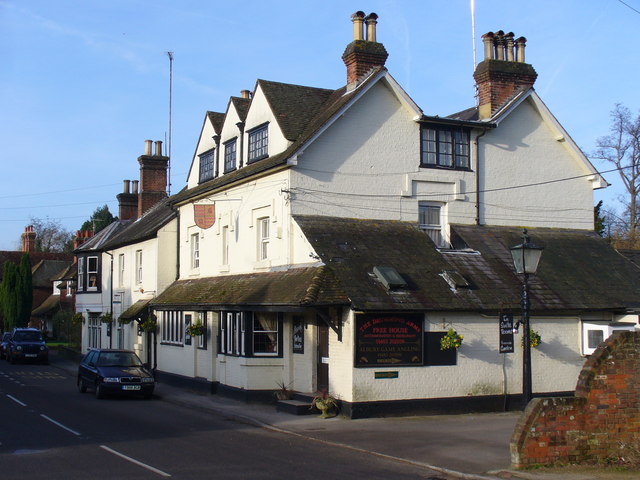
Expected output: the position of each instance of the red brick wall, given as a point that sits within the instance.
(598, 423)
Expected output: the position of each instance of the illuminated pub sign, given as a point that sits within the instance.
(388, 340)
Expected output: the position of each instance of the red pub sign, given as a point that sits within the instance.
(388, 340)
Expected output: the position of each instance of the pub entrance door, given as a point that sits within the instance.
(323, 356)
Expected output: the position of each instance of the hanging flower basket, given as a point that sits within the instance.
(196, 329)
(77, 319)
(150, 324)
(534, 339)
(106, 318)
(451, 340)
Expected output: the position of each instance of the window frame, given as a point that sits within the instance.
(237, 335)
(207, 161)
(172, 327)
(448, 142)
(195, 251)
(139, 270)
(258, 143)
(430, 229)
(80, 274)
(230, 155)
(121, 269)
(263, 238)
(95, 272)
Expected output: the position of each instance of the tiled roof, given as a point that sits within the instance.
(216, 119)
(35, 257)
(290, 288)
(97, 242)
(135, 310)
(45, 271)
(578, 270)
(144, 227)
(242, 106)
(50, 304)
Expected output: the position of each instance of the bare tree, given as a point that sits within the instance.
(51, 236)
(621, 148)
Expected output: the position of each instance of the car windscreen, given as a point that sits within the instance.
(27, 336)
(118, 359)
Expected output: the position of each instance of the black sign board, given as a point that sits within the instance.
(388, 340)
(506, 333)
(386, 374)
(298, 335)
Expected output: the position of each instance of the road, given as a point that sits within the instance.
(50, 430)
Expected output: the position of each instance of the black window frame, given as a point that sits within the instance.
(245, 336)
(255, 153)
(207, 165)
(230, 156)
(83, 273)
(458, 140)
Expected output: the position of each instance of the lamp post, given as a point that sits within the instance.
(525, 259)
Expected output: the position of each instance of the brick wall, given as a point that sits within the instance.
(598, 423)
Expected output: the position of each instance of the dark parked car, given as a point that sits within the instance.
(3, 344)
(110, 371)
(27, 344)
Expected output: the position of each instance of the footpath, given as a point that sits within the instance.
(471, 446)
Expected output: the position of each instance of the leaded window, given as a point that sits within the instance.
(445, 147)
(207, 162)
(258, 143)
(230, 156)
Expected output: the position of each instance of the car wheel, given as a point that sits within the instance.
(82, 388)
(99, 391)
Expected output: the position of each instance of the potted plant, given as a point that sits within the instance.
(283, 392)
(326, 403)
(451, 340)
(196, 329)
(534, 338)
(150, 324)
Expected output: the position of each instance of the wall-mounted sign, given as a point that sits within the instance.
(204, 215)
(390, 340)
(386, 375)
(298, 335)
(506, 333)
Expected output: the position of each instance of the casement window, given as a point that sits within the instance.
(430, 222)
(207, 163)
(258, 143)
(121, 270)
(94, 327)
(80, 274)
(251, 334)
(594, 333)
(195, 251)
(138, 266)
(92, 274)
(263, 238)
(230, 156)
(444, 147)
(225, 245)
(172, 327)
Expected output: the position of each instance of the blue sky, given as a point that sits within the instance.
(85, 82)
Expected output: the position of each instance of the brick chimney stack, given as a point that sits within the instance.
(128, 201)
(502, 72)
(81, 237)
(29, 239)
(153, 177)
(363, 54)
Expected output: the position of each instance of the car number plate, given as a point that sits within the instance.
(31, 355)
(131, 387)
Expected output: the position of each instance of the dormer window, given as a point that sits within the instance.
(445, 147)
(258, 143)
(207, 161)
(230, 156)
(430, 222)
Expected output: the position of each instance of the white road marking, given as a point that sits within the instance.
(59, 424)
(16, 400)
(133, 460)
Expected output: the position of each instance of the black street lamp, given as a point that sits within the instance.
(525, 258)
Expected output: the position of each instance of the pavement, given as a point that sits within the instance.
(471, 446)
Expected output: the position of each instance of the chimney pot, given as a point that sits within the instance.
(134, 187)
(521, 43)
(245, 93)
(158, 148)
(147, 147)
(509, 46)
(126, 186)
(371, 20)
(358, 19)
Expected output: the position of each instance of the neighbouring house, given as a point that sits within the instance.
(331, 238)
(44, 266)
(123, 266)
(61, 300)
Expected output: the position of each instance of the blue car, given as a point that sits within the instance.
(27, 344)
(4, 342)
(114, 372)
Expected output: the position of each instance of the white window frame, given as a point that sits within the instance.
(263, 238)
(121, 270)
(172, 327)
(195, 251)
(138, 266)
(91, 259)
(232, 333)
(435, 231)
(94, 327)
(80, 274)
(607, 330)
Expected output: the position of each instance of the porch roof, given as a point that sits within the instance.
(293, 288)
(135, 310)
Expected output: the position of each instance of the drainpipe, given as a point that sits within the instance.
(477, 144)
(240, 126)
